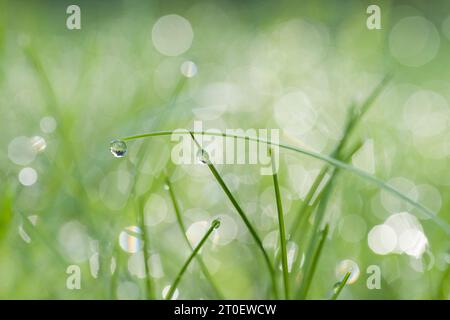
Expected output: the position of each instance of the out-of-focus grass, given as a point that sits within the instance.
(107, 80)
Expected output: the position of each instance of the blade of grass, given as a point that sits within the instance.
(281, 228)
(340, 286)
(333, 161)
(145, 246)
(307, 206)
(311, 268)
(140, 218)
(183, 231)
(352, 121)
(241, 213)
(214, 225)
(315, 244)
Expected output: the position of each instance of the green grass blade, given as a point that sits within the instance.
(307, 207)
(352, 121)
(183, 231)
(243, 216)
(314, 254)
(214, 225)
(334, 162)
(145, 248)
(340, 286)
(282, 231)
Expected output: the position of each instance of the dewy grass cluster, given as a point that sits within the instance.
(335, 162)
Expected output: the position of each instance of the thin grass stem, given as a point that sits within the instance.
(183, 232)
(214, 225)
(282, 231)
(241, 213)
(334, 162)
(314, 254)
(340, 286)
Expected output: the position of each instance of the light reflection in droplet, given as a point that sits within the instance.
(118, 148)
(130, 239)
(347, 266)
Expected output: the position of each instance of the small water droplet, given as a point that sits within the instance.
(203, 156)
(336, 286)
(166, 187)
(215, 223)
(118, 148)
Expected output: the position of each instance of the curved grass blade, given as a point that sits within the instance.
(284, 262)
(214, 225)
(339, 286)
(183, 231)
(241, 214)
(334, 162)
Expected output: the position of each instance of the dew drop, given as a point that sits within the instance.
(203, 156)
(336, 286)
(216, 223)
(118, 148)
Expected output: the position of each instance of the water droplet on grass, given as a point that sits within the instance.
(118, 148)
(203, 156)
(336, 286)
(215, 223)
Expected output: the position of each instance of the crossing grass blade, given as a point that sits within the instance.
(282, 231)
(243, 216)
(214, 225)
(183, 232)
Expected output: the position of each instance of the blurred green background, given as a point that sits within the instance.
(298, 66)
